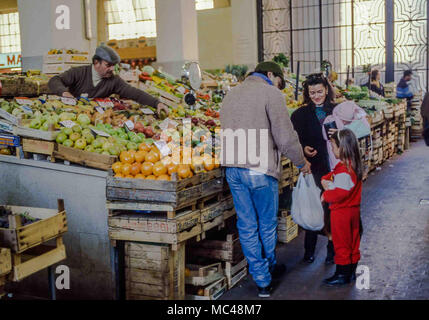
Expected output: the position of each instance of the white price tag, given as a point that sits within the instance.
(100, 133)
(163, 148)
(99, 110)
(24, 101)
(5, 126)
(147, 111)
(104, 103)
(130, 125)
(69, 101)
(168, 124)
(53, 97)
(26, 109)
(68, 123)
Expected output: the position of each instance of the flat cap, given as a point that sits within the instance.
(108, 54)
(271, 66)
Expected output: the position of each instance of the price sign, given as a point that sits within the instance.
(130, 125)
(69, 101)
(7, 127)
(147, 111)
(24, 101)
(100, 133)
(168, 124)
(26, 109)
(68, 123)
(104, 103)
(163, 148)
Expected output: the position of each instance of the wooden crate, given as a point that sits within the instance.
(39, 147)
(285, 223)
(85, 158)
(154, 272)
(286, 236)
(197, 275)
(37, 258)
(211, 292)
(19, 238)
(156, 228)
(19, 130)
(176, 192)
(212, 210)
(5, 261)
(228, 250)
(235, 272)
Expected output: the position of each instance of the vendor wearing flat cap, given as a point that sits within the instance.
(97, 80)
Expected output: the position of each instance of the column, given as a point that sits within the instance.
(244, 32)
(177, 34)
(390, 39)
(39, 31)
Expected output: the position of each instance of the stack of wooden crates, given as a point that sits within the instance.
(54, 64)
(155, 219)
(27, 246)
(287, 229)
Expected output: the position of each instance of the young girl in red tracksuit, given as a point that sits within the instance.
(343, 188)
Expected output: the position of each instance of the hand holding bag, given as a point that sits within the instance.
(307, 210)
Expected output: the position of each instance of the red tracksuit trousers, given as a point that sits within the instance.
(345, 235)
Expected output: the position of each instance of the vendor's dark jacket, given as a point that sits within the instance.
(310, 134)
(78, 81)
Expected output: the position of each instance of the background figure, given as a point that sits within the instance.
(403, 89)
(376, 85)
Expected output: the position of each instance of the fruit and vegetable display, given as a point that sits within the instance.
(26, 219)
(148, 163)
(114, 126)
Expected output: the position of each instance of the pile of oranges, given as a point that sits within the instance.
(146, 163)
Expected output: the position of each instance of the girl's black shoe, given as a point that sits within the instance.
(341, 277)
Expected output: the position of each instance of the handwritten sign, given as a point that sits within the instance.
(68, 123)
(69, 101)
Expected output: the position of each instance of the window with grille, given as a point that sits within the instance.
(131, 19)
(10, 40)
(204, 4)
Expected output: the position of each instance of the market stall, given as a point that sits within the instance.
(144, 223)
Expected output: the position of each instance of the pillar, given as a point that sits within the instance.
(244, 32)
(177, 34)
(39, 32)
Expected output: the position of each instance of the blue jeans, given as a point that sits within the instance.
(256, 201)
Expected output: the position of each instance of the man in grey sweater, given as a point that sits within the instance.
(97, 80)
(255, 114)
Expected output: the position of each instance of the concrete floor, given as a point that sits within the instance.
(395, 244)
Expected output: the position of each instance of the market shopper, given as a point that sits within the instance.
(403, 89)
(308, 123)
(375, 84)
(343, 189)
(258, 107)
(98, 81)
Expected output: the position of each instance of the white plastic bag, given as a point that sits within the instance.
(307, 210)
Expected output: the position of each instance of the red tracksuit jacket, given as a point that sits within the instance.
(344, 197)
(345, 190)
